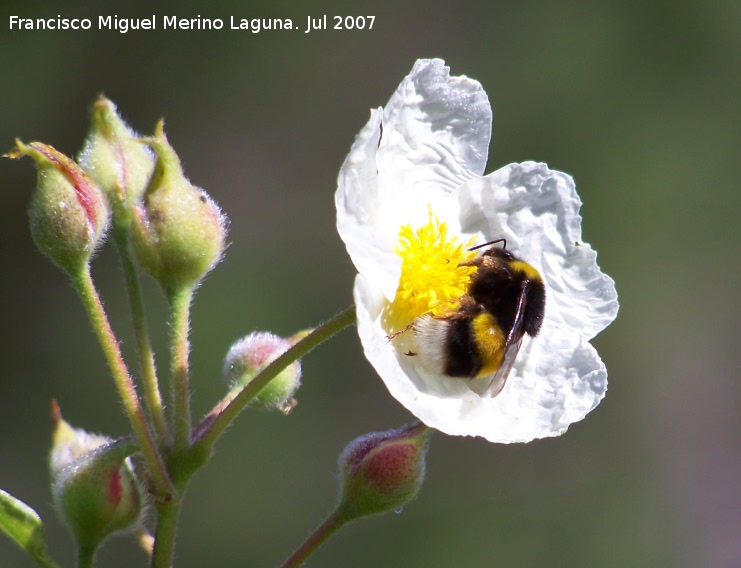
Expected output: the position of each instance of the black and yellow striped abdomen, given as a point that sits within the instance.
(474, 346)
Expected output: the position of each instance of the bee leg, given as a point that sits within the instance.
(398, 333)
(410, 353)
(477, 261)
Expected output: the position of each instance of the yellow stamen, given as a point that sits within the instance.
(431, 279)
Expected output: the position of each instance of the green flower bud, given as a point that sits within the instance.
(250, 355)
(68, 211)
(382, 471)
(115, 157)
(178, 231)
(93, 484)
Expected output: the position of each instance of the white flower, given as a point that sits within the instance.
(413, 179)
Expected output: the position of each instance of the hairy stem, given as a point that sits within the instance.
(152, 395)
(329, 527)
(164, 538)
(180, 348)
(127, 391)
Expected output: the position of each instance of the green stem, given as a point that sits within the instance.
(214, 424)
(127, 391)
(180, 348)
(328, 528)
(85, 556)
(152, 396)
(164, 538)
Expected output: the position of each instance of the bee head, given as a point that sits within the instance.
(500, 253)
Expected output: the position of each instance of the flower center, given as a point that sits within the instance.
(431, 279)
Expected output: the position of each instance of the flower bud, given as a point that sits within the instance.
(68, 443)
(93, 484)
(178, 231)
(382, 471)
(114, 156)
(250, 355)
(68, 211)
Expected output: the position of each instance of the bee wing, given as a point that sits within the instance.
(500, 377)
(494, 384)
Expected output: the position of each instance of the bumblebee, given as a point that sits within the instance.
(480, 338)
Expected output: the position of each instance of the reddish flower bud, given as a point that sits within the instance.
(250, 355)
(68, 211)
(383, 471)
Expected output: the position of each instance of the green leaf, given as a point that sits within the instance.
(21, 523)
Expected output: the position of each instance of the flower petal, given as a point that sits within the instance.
(432, 136)
(436, 134)
(357, 202)
(537, 210)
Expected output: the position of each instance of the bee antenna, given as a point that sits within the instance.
(504, 245)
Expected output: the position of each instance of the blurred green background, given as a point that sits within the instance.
(639, 101)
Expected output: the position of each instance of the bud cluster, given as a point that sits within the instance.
(177, 231)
